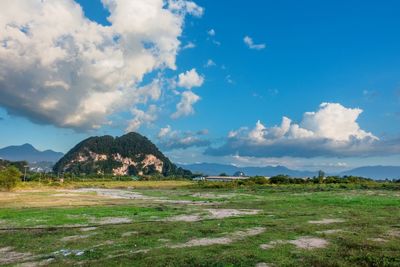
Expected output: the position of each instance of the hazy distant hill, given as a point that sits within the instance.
(130, 154)
(375, 172)
(215, 169)
(28, 153)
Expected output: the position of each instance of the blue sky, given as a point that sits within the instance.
(342, 52)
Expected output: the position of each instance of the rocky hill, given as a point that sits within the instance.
(130, 154)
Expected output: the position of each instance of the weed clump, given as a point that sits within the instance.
(9, 178)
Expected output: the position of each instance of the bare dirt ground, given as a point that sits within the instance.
(309, 242)
(212, 195)
(113, 193)
(112, 220)
(327, 221)
(233, 237)
(75, 237)
(213, 214)
(329, 232)
(305, 242)
(8, 256)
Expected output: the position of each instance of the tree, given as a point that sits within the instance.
(279, 179)
(9, 178)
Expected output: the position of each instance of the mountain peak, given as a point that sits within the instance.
(130, 154)
(28, 153)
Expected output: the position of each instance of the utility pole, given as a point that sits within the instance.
(25, 167)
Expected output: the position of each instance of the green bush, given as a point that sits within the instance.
(9, 178)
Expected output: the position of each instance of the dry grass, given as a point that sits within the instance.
(47, 198)
(106, 184)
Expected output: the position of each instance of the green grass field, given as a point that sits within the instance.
(178, 224)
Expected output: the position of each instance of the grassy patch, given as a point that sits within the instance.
(365, 217)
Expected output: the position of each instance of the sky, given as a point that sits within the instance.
(304, 84)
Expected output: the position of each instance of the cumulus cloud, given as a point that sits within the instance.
(58, 67)
(141, 117)
(190, 79)
(250, 43)
(185, 105)
(170, 139)
(332, 131)
(184, 6)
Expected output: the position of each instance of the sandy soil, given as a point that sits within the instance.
(8, 256)
(112, 220)
(377, 239)
(126, 234)
(211, 195)
(394, 233)
(113, 193)
(212, 214)
(88, 229)
(305, 242)
(185, 218)
(329, 232)
(233, 237)
(75, 237)
(226, 213)
(327, 221)
(309, 242)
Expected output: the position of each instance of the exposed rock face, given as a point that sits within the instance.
(131, 154)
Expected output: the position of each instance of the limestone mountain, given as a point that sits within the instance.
(130, 154)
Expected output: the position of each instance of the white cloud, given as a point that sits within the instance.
(189, 45)
(250, 43)
(229, 79)
(210, 63)
(141, 117)
(164, 131)
(211, 32)
(334, 121)
(170, 139)
(190, 79)
(183, 6)
(185, 106)
(332, 131)
(211, 37)
(53, 58)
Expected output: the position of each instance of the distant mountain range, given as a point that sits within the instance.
(373, 172)
(216, 169)
(28, 153)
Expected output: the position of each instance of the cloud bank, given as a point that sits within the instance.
(58, 67)
(170, 139)
(332, 131)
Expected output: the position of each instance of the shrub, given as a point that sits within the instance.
(260, 180)
(280, 179)
(9, 178)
